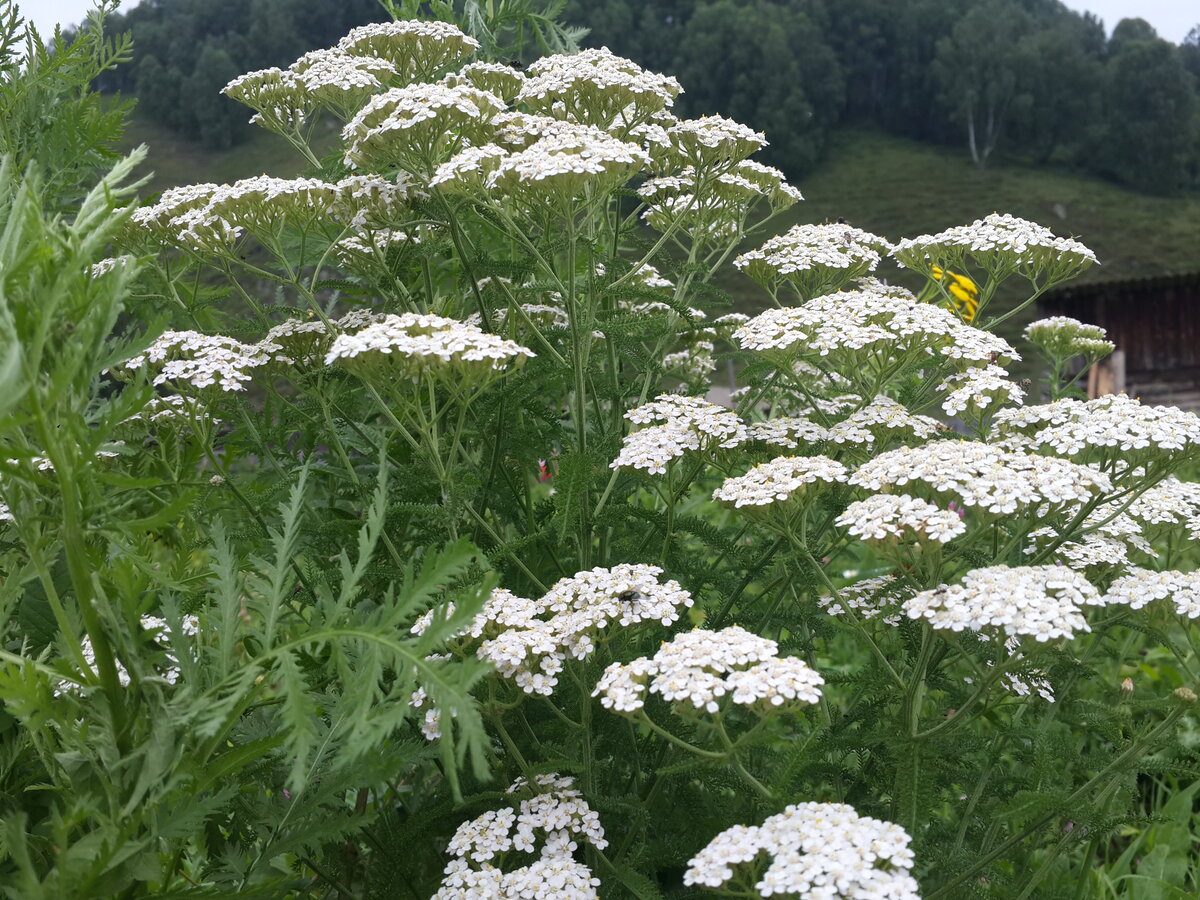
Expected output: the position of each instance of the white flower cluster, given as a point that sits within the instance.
(1114, 429)
(819, 851)
(707, 142)
(1143, 586)
(339, 80)
(867, 598)
(677, 425)
(979, 389)
(370, 250)
(854, 327)
(530, 640)
(211, 217)
(982, 475)
(495, 78)
(418, 126)
(815, 258)
(104, 266)
(1062, 337)
(783, 479)
(596, 87)
(418, 49)
(157, 629)
(192, 359)
(1169, 504)
(169, 408)
(565, 161)
(468, 170)
(1042, 602)
(788, 431)
(307, 340)
(880, 420)
(1091, 555)
(557, 814)
(277, 96)
(416, 343)
(885, 517)
(701, 668)
(717, 207)
(694, 364)
(997, 243)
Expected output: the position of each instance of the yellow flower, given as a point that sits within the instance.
(963, 291)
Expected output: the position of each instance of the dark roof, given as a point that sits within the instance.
(1120, 288)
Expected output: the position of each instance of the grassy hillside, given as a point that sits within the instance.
(901, 188)
(175, 160)
(884, 184)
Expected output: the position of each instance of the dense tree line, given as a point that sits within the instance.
(1025, 79)
(185, 51)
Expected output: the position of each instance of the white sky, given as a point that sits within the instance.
(1173, 19)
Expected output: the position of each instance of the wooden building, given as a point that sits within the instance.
(1155, 323)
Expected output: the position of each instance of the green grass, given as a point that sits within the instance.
(898, 188)
(175, 160)
(887, 185)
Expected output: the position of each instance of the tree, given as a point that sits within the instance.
(219, 121)
(1060, 66)
(1151, 121)
(977, 69)
(766, 65)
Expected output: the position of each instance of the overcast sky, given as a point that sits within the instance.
(1172, 18)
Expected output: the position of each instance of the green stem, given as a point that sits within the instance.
(1134, 750)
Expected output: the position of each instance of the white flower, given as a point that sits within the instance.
(699, 668)
(417, 343)
(597, 87)
(547, 823)
(192, 359)
(530, 640)
(1143, 586)
(868, 598)
(1114, 430)
(982, 475)
(419, 125)
(979, 389)
(1042, 602)
(821, 851)
(998, 243)
(856, 327)
(566, 161)
(707, 142)
(469, 169)
(780, 480)
(677, 425)
(880, 420)
(156, 629)
(416, 48)
(816, 258)
(503, 81)
(901, 517)
(1062, 337)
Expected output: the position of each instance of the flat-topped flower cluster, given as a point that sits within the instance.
(707, 670)
(824, 850)
(530, 641)
(549, 823)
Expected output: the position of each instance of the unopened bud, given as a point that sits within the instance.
(1185, 695)
(1127, 686)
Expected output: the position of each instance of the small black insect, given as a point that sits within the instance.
(630, 596)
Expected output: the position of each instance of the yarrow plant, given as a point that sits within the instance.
(330, 506)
